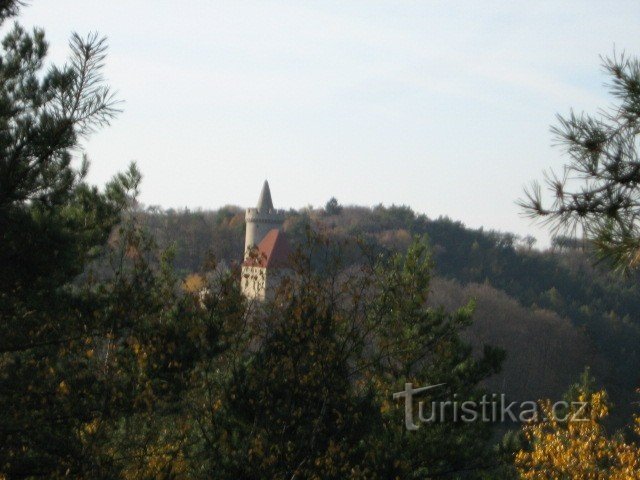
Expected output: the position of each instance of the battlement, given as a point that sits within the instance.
(271, 216)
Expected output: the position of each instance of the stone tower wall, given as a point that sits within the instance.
(258, 224)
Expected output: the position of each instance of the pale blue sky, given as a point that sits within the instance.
(443, 106)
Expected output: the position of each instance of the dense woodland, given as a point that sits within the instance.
(554, 311)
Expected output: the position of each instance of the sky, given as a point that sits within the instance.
(444, 106)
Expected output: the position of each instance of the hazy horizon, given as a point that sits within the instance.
(446, 109)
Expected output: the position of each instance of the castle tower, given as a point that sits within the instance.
(266, 249)
(262, 219)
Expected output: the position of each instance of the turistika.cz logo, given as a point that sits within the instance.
(489, 409)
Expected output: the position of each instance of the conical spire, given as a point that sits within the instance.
(264, 202)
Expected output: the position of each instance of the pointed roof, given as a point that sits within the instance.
(264, 202)
(274, 251)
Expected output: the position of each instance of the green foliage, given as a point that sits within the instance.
(52, 223)
(333, 207)
(311, 395)
(598, 190)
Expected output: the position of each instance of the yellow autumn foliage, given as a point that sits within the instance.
(63, 388)
(194, 283)
(159, 461)
(578, 448)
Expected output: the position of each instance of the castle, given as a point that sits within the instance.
(266, 249)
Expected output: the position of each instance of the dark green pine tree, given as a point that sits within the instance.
(599, 189)
(421, 344)
(101, 350)
(51, 224)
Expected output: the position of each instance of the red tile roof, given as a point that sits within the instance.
(274, 251)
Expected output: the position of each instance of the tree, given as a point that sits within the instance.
(565, 243)
(52, 224)
(573, 444)
(529, 241)
(599, 189)
(333, 207)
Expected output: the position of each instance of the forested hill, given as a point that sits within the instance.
(593, 316)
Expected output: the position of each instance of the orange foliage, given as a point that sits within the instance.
(577, 450)
(194, 283)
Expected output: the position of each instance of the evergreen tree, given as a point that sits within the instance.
(51, 224)
(599, 189)
(332, 207)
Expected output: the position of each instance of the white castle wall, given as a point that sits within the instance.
(258, 224)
